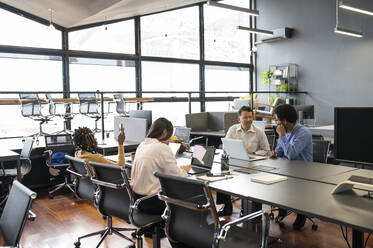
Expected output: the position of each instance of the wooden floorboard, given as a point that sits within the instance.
(62, 219)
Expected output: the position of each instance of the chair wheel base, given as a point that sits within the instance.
(314, 227)
(77, 244)
(50, 196)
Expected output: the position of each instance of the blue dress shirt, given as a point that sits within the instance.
(296, 145)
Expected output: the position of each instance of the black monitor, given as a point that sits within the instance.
(144, 114)
(308, 111)
(353, 134)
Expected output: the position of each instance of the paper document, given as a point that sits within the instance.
(268, 179)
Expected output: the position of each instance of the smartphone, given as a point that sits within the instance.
(121, 127)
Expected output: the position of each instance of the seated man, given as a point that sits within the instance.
(255, 141)
(294, 143)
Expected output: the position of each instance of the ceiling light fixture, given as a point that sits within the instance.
(255, 30)
(252, 12)
(348, 32)
(351, 7)
(51, 26)
(344, 31)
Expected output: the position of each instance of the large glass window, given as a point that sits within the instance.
(171, 34)
(103, 75)
(224, 78)
(16, 30)
(21, 72)
(223, 41)
(159, 76)
(115, 38)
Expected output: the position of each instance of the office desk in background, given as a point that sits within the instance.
(8, 155)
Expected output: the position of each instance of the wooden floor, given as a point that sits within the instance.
(62, 219)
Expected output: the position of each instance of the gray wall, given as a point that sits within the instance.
(335, 70)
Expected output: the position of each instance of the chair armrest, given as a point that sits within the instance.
(31, 215)
(138, 201)
(226, 227)
(193, 206)
(106, 184)
(77, 174)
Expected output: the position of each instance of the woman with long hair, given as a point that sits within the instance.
(152, 155)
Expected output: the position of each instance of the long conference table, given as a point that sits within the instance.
(306, 191)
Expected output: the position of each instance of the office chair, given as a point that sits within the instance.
(57, 146)
(31, 108)
(266, 114)
(114, 199)
(121, 105)
(192, 220)
(88, 105)
(15, 214)
(9, 174)
(320, 150)
(83, 187)
(67, 115)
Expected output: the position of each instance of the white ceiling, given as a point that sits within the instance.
(72, 13)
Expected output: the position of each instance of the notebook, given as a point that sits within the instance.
(268, 179)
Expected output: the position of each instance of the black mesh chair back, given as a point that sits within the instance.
(30, 105)
(88, 103)
(191, 213)
(120, 104)
(115, 194)
(15, 213)
(320, 150)
(84, 188)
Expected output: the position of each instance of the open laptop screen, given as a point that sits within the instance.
(203, 156)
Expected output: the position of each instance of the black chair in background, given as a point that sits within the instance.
(88, 105)
(15, 214)
(66, 115)
(83, 187)
(31, 108)
(271, 141)
(192, 220)
(9, 174)
(116, 199)
(120, 104)
(58, 146)
(320, 150)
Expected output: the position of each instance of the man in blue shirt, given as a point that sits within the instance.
(294, 143)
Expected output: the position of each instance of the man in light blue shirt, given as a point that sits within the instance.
(294, 143)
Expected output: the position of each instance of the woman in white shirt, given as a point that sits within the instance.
(154, 154)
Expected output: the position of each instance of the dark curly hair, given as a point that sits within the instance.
(84, 139)
(286, 112)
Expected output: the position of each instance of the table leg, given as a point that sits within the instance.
(247, 208)
(357, 239)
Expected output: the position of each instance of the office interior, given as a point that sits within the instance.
(195, 63)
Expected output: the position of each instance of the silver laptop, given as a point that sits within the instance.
(235, 148)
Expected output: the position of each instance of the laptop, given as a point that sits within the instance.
(202, 159)
(235, 148)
